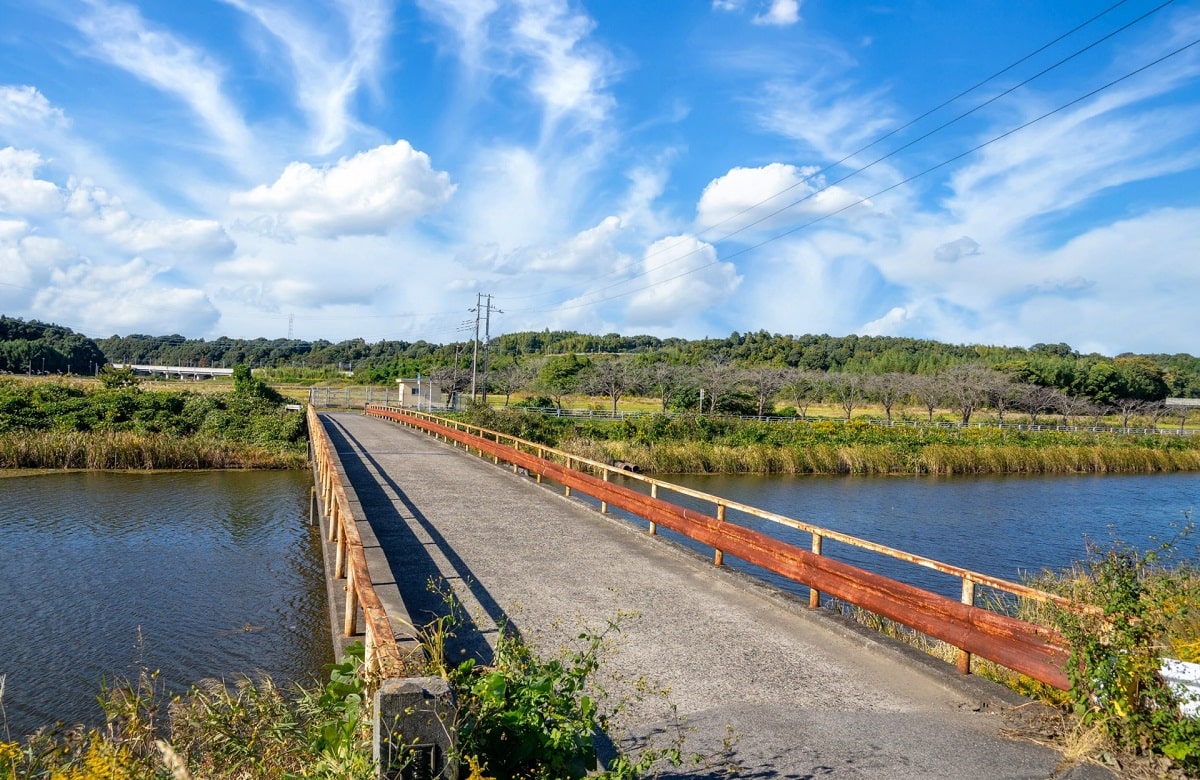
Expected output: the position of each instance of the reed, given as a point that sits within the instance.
(125, 450)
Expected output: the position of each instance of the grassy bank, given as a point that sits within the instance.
(707, 445)
(69, 425)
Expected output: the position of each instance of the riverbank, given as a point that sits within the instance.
(712, 445)
(70, 425)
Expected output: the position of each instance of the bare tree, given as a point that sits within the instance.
(802, 388)
(511, 378)
(717, 380)
(888, 389)
(1036, 399)
(613, 377)
(967, 388)
(665, 379)
(1002, 393)
(767, 381)
(849, 390)
(929, 392)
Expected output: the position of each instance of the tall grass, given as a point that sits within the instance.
(944, 459)
(57, 449)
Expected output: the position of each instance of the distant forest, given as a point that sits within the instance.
(36, 347)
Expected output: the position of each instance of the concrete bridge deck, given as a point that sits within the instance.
(802, 694)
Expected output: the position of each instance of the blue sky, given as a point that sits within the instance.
(366, 168)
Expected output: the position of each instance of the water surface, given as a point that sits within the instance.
(210, 574)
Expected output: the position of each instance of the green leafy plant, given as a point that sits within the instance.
(1116, 656)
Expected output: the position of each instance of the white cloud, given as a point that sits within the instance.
(372, 192)
(592, 251)
(25, 106)
(781, 13)
(768, 197)
(103, 214)
(21, 192)
(124, 298)
(682, 277)
(120, 36)
(890, 324)
(327, 78)
(569, 76)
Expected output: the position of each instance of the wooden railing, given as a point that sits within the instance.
(383, 656)
(1027, 648)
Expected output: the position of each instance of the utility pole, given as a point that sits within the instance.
(475, 345)
(487, 331)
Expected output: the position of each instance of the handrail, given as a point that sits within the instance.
(383, 656)
(1019, 645)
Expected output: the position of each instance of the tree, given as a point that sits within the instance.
(849, 390)
(1127, 407)
(559, 375)
(767, 381)
(802, 388)
(507, 379)
(888, 389)
(967, 388)
(612, 377)
(929, 392)
(717, 380)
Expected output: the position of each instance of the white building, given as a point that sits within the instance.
(421, 393)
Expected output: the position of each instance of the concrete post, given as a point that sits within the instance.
(414, 729)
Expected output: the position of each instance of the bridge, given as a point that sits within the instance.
(176, 372)
(543, 543)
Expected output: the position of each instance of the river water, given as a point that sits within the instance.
(1004, 526)
(209, 574)
(217, 574)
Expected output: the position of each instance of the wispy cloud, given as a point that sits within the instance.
(330, 63)
(120, 36)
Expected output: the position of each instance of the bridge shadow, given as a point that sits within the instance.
(422, 585)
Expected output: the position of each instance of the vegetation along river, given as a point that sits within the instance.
(1005, 526)
(209, 574)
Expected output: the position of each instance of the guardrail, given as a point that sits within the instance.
(605, 414)
(1024, 647)
(350, 563)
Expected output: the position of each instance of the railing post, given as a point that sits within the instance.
(968, 598)
(814, 595)
(604, 504)
(350, 624)
(653, 494)
(567, 488)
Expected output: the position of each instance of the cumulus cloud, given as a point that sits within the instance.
(103, 214)
(681, 277)
(369, 193)
(84, 293)
(889, 324)
(953, 251)
(767, 197)
(21, 192)
(22, 106)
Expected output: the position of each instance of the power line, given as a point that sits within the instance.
(880, 139)
(888, 189)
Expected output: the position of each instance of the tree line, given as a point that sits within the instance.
(747, 373)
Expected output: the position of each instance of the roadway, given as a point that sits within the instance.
(796, 694)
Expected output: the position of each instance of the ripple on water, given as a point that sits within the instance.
(211, 574)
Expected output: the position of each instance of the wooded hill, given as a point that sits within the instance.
(25, 345)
